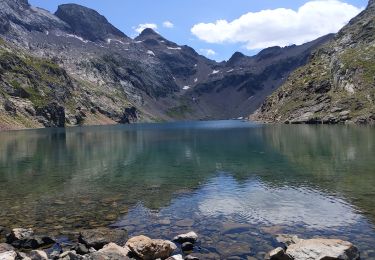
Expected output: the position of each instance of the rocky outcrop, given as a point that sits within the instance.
(149, 249)
(335, 86)
(51, 115)
(87, 23)
(130, 115)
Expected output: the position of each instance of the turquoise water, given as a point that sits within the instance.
(235, 183)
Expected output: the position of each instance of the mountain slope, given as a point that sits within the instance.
(338, 83)
(111, 78)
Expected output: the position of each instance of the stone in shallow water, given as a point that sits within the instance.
(110, 251)
(185, 223)
(230, 227)
(187, 247)
(323, 249)
(191, 237)
(98, 238)
(149, 249)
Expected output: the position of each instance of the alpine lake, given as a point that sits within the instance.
(237, 184)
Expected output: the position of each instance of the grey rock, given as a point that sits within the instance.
(323, 249)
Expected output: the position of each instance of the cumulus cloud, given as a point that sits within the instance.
(208, 52)
(168, 24)
(280, 26)
(143, 26)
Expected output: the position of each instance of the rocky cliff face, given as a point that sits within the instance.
(87, 23)
(337, 85)
(86, 70)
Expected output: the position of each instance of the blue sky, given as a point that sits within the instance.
(245, 25)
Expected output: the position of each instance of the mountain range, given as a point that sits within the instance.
(337, 85)
(75, 68)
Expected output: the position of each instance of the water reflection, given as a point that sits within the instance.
(315, 177)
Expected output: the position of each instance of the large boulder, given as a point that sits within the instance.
(317, 248)
(26, 239)
(148, 249)
(98, 238)
(323, 249)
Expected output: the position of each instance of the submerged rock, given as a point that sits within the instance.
(98, 238)
(148, 249)
(187, 246)
(191, 237)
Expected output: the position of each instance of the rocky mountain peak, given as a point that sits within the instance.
(236, 57)
(87, 22)
(16, 3)
(371, 3)
(148, 32)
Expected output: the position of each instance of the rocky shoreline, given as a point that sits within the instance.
(106, 243)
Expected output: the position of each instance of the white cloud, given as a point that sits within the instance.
(279, 26)
(168, 24)
(208, 52)
(143, 26)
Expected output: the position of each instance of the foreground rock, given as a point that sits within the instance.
(148, 249)
(26, 239)
(318, 248)
(110, 251)
(98, 238)
(191, 237)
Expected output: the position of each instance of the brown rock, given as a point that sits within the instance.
(148, 249)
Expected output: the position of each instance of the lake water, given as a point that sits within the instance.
(236, 184)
